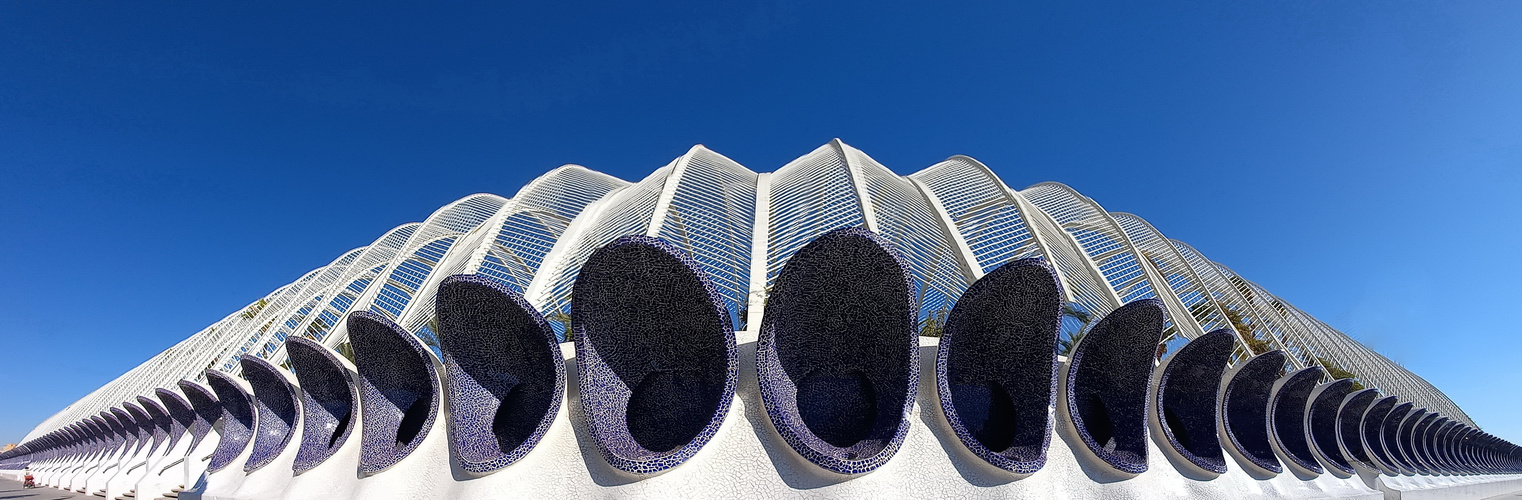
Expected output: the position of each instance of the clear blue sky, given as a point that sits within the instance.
(163, 163)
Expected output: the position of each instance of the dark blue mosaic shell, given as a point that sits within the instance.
(159, 419)
(328, 402)
(838, 355)
(1389, 437)
(1244, 408)
(1403, 440)
(180, 416)
(1186, 399)
(655, 353)
(399, 395)
(275, 411)
(996, 366)
(237, 419)
(1107, 378)
(1420, 436)
(1371, 429)
(1321, 422)
(1349, 419)
(207, 410)
(1286, 416)
(1440, 442)
(504, 370)
(138, 425)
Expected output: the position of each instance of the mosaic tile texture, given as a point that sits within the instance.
(328, 401)
(655, 351)
(1371, 429)
(132, 419)
(996, 365)
(207, 410)
(1419, 436)
(1107, 380)
(1321, 423)
(1403, 440)
(237, 419)
(1389, 437)
(1186, 399)
(180, 414)
(275, 411)
(1286, 415)
(837, 356)
(1244, 408)
(159, 419)
(398, 393)
(503, 367)
(1349, 418)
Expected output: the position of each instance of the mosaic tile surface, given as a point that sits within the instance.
(1244, 408)
(207, 410)
(398, 393)
(1286, 415)
(655, 352)
(1186, 399)
(1371, 429)
(1107, 380)
(328, 401)
(1402, 445)
(1321, 422)
(1349, 417)
(503, 367)
(275, 411)
(181, 416)
(996, 365)
(1389, 437)
(838, 354)
(158, 418)
(237, 419)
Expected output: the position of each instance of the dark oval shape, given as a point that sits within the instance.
(328, 399)
(655, 353)
(275, 411)
(996, 365)
(1349, 418)
(1185, 408)
(503, 366)
(237, 419)
(1321, 424)
(837, 357)
(1244, 410)
(1286, 416)
(398, 391)
(1107, 380)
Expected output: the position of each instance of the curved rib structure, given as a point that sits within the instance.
(1184, 408)
(329, 402)
(996, 365)
(1105, 387)
(504, 371)
(1244, 424)
(1322, 425)
(398, 392)
(837, 355)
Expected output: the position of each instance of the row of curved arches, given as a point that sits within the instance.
(836, 363)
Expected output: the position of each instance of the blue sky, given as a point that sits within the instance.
(164, 163)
